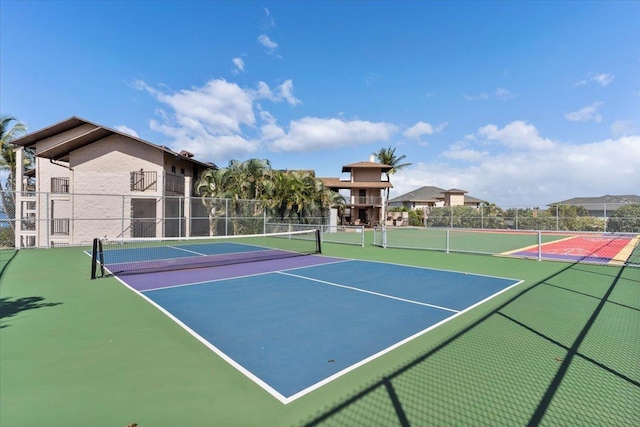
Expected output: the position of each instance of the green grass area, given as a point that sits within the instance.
(559, 349)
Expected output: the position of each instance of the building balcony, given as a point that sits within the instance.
(365, 201)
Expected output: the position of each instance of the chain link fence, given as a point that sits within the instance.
(600, 217)
(67, 219)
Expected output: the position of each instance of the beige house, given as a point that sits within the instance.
(110, 183)
(427, 197)
(365, 201)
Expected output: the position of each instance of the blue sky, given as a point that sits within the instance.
(519, 103)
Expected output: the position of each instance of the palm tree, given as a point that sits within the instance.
(288, 194)
(8, 133)
(387, 156)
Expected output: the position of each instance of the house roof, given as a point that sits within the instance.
(339, 184)
(61, 151)
(430, 193)
(607, 199)
(366, 165)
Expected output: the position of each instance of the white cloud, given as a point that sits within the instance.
(423, 128)
(238, 63)
(536, 178)
(482, 95)
(313, 134)
(264, 92)
(268, 21)
(371, 79)
(500, 93)
(286, 92)
(265, 41)
(283, 92)
(622, 127)
(460, 151)
(586, 114)
(504, 94)
(127, 130)
(604, 79)
(516, 135)
(207, 120)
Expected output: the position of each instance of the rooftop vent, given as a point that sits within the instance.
(185, 153)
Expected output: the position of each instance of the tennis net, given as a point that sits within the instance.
(137, 256)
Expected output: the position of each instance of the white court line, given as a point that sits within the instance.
(186, 250)
(265, 386)
(222, 279)
(369, 292)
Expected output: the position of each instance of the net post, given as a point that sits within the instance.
(101, 257)
(318, 241)
(94, 259)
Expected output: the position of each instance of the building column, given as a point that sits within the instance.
(187, 206)
(18, 180)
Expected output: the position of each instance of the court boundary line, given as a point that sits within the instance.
(185, 250)
(368, 292)
(273, 392)
(265, 386)
(394, 346)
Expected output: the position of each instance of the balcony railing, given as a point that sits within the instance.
(175, 184)
(144, 181)
(366, 201)
(60, 227)
(60, 185)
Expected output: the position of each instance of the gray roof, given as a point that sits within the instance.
(62, 150)
(430, 193)
(600, 200)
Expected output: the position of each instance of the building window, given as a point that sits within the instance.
(144, 181)
(60, 227)
(182, 171)
(59, 185)
(173, 169)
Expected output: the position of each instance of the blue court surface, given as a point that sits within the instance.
(292, 326)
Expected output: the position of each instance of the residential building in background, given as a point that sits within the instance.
(365, 187)
(600, 206)
(427, 197)
(106, 181)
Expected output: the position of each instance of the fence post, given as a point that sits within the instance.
(539, 245)
(122, 217)
(451, 216)
(384, 236)
(605, 219)
(47, 221)
(448, 234)
(226, 217)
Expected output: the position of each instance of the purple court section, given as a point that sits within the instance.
(165, 279)
(563, 257)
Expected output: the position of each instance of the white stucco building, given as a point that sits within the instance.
(91, 181)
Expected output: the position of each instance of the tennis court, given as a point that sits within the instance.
(293, 323)
(597, 248)
(559, 348)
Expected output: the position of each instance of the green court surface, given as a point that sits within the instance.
(562, 348)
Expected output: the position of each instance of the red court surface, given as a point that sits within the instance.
(598, 249)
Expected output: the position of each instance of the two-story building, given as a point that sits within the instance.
(365, 186)
(428, 197)
(91, 181)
